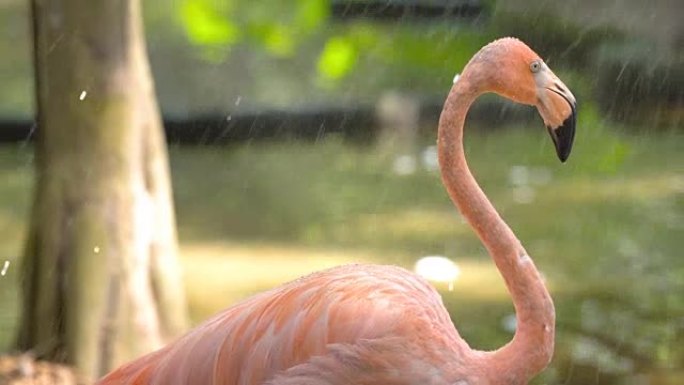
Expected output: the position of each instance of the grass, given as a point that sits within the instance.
(605, 229)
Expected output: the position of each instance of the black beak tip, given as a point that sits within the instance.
(564, 136)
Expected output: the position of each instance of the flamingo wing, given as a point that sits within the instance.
(315, 316)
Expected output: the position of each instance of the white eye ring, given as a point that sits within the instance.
(535, 66)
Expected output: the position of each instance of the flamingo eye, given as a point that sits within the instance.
(535, 66)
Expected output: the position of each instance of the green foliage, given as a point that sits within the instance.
(277, 39)
(394, 56)
(206, 26)
(311, 14)
(278, 28)
(337, 58)
(289, 29)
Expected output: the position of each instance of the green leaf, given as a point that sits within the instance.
(337, 59)
(311, 14)
(278, 40)
(206, 25)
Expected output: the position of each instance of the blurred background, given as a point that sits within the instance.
(301, 136)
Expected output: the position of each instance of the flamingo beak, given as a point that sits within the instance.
(564, 135)
(558, 108)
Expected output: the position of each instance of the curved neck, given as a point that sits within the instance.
(532, 346)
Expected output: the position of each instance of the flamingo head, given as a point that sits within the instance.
(522, 76)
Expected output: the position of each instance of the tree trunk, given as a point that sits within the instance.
(102, 282)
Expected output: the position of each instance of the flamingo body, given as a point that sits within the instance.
(381, 325)
(357, 324)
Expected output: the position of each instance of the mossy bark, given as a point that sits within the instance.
(101, 280)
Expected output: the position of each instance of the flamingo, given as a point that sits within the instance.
(369, 324)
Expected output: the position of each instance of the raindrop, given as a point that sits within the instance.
(83, 95)
(96, 249)
(5, 266)
(456, 77)
(238, 100)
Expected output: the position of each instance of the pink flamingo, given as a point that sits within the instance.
(371, 325)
